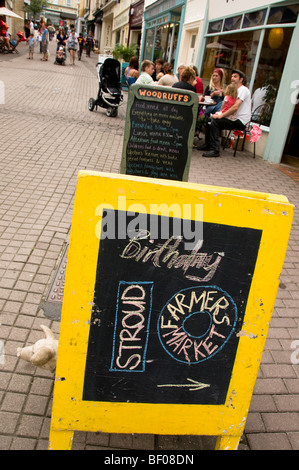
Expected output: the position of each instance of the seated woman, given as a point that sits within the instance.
(131, 72)
(4, 34)
(215, 90)
(168, 79)
(198, 81)
(187, 80)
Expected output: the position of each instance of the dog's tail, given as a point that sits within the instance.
(48, 333)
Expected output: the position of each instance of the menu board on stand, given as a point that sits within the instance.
(159, 132)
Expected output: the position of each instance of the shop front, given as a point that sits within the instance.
(106, 44)
(135, 23)
(163, 23)
(263, 43)
(120, 27)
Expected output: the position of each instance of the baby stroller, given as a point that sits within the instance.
(110, 94)
(60, 56)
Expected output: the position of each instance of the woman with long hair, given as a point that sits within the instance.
(131, 72)
(216, 90)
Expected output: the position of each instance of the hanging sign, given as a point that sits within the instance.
(168, 297)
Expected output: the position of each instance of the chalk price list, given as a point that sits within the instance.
(157, 145)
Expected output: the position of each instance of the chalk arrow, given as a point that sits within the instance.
(193, 386)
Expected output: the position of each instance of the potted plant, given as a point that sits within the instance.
(124, 52)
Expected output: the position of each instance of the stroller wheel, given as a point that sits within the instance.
(91, 104)
(112, 112)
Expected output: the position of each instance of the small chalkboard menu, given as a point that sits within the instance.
(159, 132)
(168, 297)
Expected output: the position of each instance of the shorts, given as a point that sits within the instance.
(44, 48)
(31, 49)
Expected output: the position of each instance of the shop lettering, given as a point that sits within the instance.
(196, 323)
(164, 95)
(203, 265)
(131, 326)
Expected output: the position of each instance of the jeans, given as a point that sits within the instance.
(213, 109)
(214, 128)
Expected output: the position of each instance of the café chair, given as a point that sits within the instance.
(257, 117)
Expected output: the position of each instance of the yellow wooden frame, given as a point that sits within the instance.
(270, 213)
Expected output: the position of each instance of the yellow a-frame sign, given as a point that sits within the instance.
(169, 292)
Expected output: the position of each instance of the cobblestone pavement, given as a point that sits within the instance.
(47, 135)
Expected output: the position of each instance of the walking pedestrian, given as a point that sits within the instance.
(89, 43)
(81, 45)
(72, 46)
(61, 38)
(45, 41)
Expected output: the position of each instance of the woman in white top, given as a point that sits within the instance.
(169, 78)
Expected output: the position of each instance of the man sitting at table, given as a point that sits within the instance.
(147, 70)
(242, 111)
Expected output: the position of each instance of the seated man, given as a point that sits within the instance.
(242, 110)
(147, 70)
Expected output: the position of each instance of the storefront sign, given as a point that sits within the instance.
(136, 15)
(158, 336)
(159, 132)
(161, 7)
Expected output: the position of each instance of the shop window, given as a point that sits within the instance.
(149, 44)
(232, 23)
(117, 37)
(281, 15)
(161, 42)
(236, 50)
(270, 68)
(255, 18)
(215, 27)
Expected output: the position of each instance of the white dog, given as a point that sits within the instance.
(43, 353)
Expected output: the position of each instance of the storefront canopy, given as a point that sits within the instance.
(6, 12)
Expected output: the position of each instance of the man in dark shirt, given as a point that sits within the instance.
(187, 80)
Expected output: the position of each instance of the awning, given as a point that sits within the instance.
(68, 16)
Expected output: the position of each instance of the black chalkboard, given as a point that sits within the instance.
(159, 132)
(165, 317)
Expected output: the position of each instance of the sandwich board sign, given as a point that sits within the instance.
(168, 297)
(159, 132)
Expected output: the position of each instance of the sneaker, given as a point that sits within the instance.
(211, 153)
